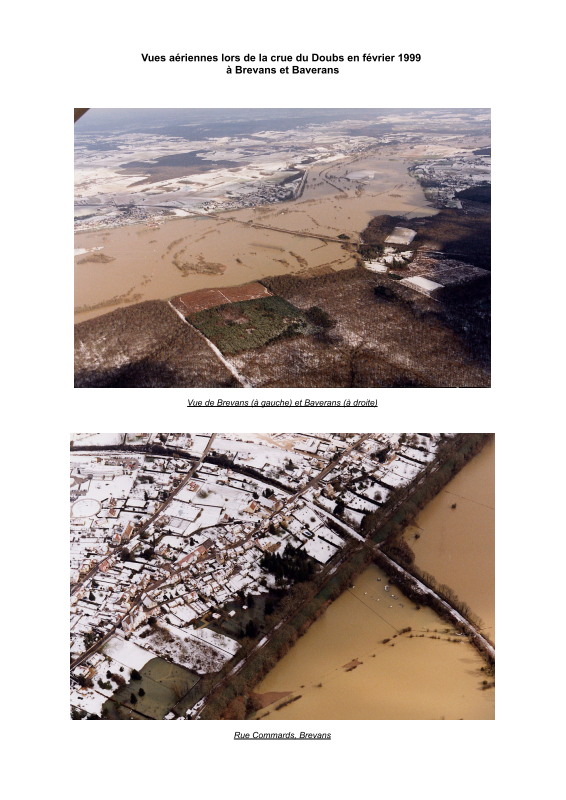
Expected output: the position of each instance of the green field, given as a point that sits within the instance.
(248, 324)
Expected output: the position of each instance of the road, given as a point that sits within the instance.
(97, 645)
(331, 568)
(138, 598)
(90, 574)
(325, 573)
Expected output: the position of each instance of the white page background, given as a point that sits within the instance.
(93, 58)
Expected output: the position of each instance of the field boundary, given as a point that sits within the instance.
(203, 299)
(214, 349)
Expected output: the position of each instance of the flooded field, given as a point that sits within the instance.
(457, 545)
(185, 254)
(342, 669)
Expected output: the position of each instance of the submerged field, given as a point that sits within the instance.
(186, 254)
(343, 669)
(377, 333)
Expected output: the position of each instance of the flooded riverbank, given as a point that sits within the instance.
(227, 250)
(342, 669)
(456, 536)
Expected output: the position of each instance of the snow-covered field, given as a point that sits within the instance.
(401, 236)
(321, 551)
(103, 439)
(183, 647)
(127, 652)
(418, 282)
(216, 640)
(85, 507)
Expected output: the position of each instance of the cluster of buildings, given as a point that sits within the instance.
(443, 278)
(115, 216)
(442, 178)
(175, 544)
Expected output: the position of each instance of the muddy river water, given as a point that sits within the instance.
(457, 545)
(341, 669)
(137, 262)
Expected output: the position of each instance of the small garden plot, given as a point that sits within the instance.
(109, 665)
(101, 439)
(178, 525)
(180, 510)
(210, 516)
(319, 550)
(294, 526)
(326, 503)
(187, 493)
(393, 480)
(353, 517)
(181, 648)
(127, 653)
(405, 468)
(376, 493)
(216, 640)
(176, 542)
(307, 517)
(88, 699)
(237, 327)
(195, 540)
(358, 504)
(418, 455)
(271, 543)
(329, 536)
(294, 541)
(199, 444)
(186, 613)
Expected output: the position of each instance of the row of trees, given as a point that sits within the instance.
(293, 565)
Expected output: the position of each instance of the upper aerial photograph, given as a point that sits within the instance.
(273, 248)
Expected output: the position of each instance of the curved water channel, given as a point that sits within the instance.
(141, 260)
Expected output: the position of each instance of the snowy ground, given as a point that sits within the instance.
(401, 236)
(216, 640)
(321, 551)
(127, 652)
(107, 439)
(183, 647)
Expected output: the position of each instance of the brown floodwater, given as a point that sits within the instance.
(341, 197)
(457, 545)
(406, 678)
(417, 678)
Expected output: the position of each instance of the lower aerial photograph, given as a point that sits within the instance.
(282, 576)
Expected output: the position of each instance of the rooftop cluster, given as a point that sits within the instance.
(174, 536)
